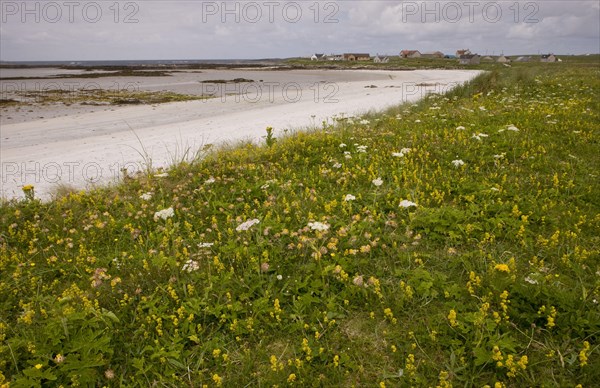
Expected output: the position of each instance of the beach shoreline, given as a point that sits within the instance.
(81, 147)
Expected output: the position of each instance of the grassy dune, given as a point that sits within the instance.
(453, 242)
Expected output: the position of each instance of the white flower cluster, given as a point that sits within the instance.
(406, 203)
(146, 196)
(191, 266)
(377, 182)
(247, 225)
(164, 214)
(318, 226)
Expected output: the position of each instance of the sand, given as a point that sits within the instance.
(86, 146)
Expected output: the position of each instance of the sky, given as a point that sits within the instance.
(196, 29)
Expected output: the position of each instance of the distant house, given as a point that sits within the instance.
(462, 52)
(318, 57)
(487, 58)
(469, 59)
(503, 59)
(381, 59)
(335, 57)
(410, 54)
(357, 57)
(433, 54)
(548, 58)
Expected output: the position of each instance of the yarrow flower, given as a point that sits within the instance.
(460, 128)
(531, 280)
(209, 181)
(458, 163)
(402, 152)
(512, 128)
(349, 197)
(318, 226)
(164, 214)
(190, 266)
(377, 182)
(205, 245)
(406, 203)
(146, 196)
(247, 224)
(479, 136)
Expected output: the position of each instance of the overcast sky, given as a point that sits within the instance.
(148, 29)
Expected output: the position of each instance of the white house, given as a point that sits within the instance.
(548, 58)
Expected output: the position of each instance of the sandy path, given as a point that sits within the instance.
(91, 148)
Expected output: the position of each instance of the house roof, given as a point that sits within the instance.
(468, 56)
(409, 52)
(357, 55)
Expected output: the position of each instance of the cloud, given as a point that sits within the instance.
(258, 29)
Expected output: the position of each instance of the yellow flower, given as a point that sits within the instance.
(452, 318)
(291, 378)
(217, 379)
(38, 366)
(583, 358)
(502, 268)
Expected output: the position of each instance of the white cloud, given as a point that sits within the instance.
(187, 29)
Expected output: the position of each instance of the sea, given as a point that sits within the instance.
(149, 63)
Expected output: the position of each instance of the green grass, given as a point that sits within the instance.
(492, 279)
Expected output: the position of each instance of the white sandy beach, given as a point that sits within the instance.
(80, 148)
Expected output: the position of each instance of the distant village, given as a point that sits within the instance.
(464, 57)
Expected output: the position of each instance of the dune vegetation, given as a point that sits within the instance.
(450, 242)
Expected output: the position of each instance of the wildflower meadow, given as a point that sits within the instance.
(449, 242)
